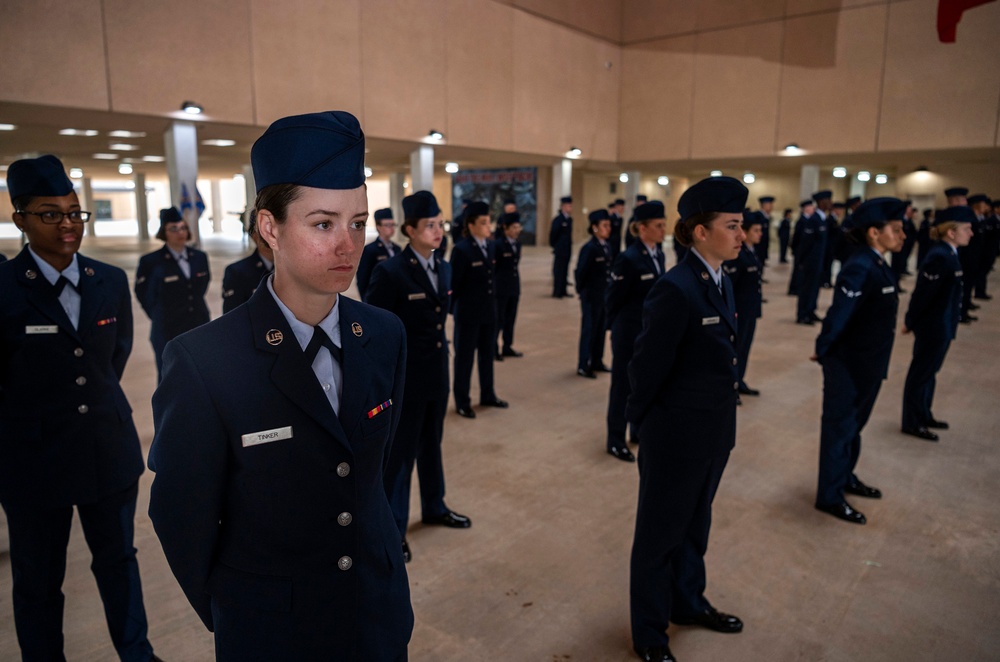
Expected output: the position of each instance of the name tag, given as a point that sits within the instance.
(477, 264)
(508, 254)
(707, 321)
(382, 257)
(959, 273)
(201, 274)
(267, 436)
(600, 259)
(751, 269)
(170, 279)
(32, 330)
(888, 290)
(416, 296)
(647, 277)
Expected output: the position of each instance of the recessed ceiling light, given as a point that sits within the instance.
(451, 167)
(623, 178)
(104, 156)
(881, 179)
(154, 159)
(191, 108)
(76, 173)
(78, 132)
(715, 173)
(123, 147)
(574, 152)
(7, 127)
(864, 176)
(125, 168)
(435, 135)
(218, 142)
(840, 172)
(749, 178)
(662, 180)
(126, 134)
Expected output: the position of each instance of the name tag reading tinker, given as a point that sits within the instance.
(477, 264)
(705, 321)
(416, 296)
(646, 277)
(267, 436)
(171, 279)
(888, 290)
(48, 328)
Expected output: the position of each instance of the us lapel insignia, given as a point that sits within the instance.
(413, 260)
(274, 337)
(88, 271)
(704, 275)
(30, 274)
(356, 328)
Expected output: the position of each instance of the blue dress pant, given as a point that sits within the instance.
(921, 378)
(848, 398)
(622, 346)
(808, 288)
(560, 271)
(38, 540)
(418, 440)
(744, 338)
(592, 335)
(472, 339)
(506, 314)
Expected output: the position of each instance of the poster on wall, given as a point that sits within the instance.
(494, 186)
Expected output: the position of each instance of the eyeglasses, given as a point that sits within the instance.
(56, 217)
(177, 228)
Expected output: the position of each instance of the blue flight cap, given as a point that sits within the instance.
(878, 210)
(765, 199)
(476, 209)
(507, 219)
(822, 195)
(714, 194)
(319, 150)
(42, 177)
(956, 214)
(955, 191)
(618, 201)
(751, 218)
(509, 201)
(650, 210)
(806, 203)
(421, 204)
(383, 214)
(170, 215)
(979, 197)
(566, 199)
(641, 198)
(598, 215)
(853, 200)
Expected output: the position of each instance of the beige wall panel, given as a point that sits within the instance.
(307, 57)
(727, 13)
(163, 53)
(657, 86)
(564, 93)
(800, 7)
(940, 95)
(480, 74)
(61, 76)
(736, 83)
(648, 19)
(597, 17)
(832, 108)
(403, 63)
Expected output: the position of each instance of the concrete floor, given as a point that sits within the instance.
(542, 575)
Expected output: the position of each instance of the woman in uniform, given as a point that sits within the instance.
(593, 270)
(415, 285)
(171, 283)
(745, 272)
(274, 423)
(633, 274)
(935, 308)
(854, 348)
(684, 381)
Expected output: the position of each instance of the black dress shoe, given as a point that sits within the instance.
(407, 555)
(713, 620)
(739, 401)
(937, 425)
(844, 511)
(921, 432)
(860, 489)
(746, 390)
(816, 318)
(155, 658)
(494, 402)
(967, 319)
(602, 368)
(656, 654)
(589, 374)
(974, 306)
(984, 297)
(498, 357)
(450, 519)
(513, 352)
(807, 322)
(466, 412)
(623, 454)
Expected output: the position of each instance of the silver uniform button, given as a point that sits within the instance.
(345, 563)
(343, 469)
(326, 387)
(734, 360)
(736, 386)
(83, 409)
(732, 338)
(81, 380)
(344, 519)
(78, 352)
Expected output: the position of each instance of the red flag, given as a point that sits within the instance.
(949, 14)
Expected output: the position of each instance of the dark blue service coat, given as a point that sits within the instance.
(270, 508)
(745, 272)
(508, 260)
(371, 256)
(241, 280)
(593, 272)
(561, 241)
(474, 306)
(810, 252)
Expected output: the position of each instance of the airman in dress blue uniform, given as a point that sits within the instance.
(170, 284)
(632, 275)
(377, 251)
(809, 255)
(508, 258)
(784, 235)
(415, 285)
(66, 432)
(242, 278)
(969, 255)
(854, 348)
(763, 248)
(924, 242)
(982, 207)
(935, 308)
(474, 307)
(561, 242)
(274, 425)
(684, 378)
(615, 211)
(640, 200)
(745, 274)
(807, 209)
(593, 272)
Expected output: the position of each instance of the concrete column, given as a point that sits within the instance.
(87, 202)
(396, 195)
(808, 181)
(631, 189)
(141, 205)
(180, 142)
(422, 169)
(562, 183)
(857, 187)
(217, 210)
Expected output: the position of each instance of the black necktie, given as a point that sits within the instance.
(321, 339)
(61, 285)
(607, 252)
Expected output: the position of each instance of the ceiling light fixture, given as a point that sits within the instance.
(715, 173)
(451, 167)
(104, 156)
(218, 142)
(78, 132)
(792, 149)
(864, 176)
(7, 127)
(124, 168)
(749, 178)
(76, 173)
(123, 147)
(192, 108)
(154, 159)
(662, 180)
(840, 172)
(574, 152)
(126, 134)
(881, 179)
(435, 135)
(623, 178)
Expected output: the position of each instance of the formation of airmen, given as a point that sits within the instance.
(251, 503)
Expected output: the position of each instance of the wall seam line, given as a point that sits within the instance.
(881, 82)
(107, 58)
